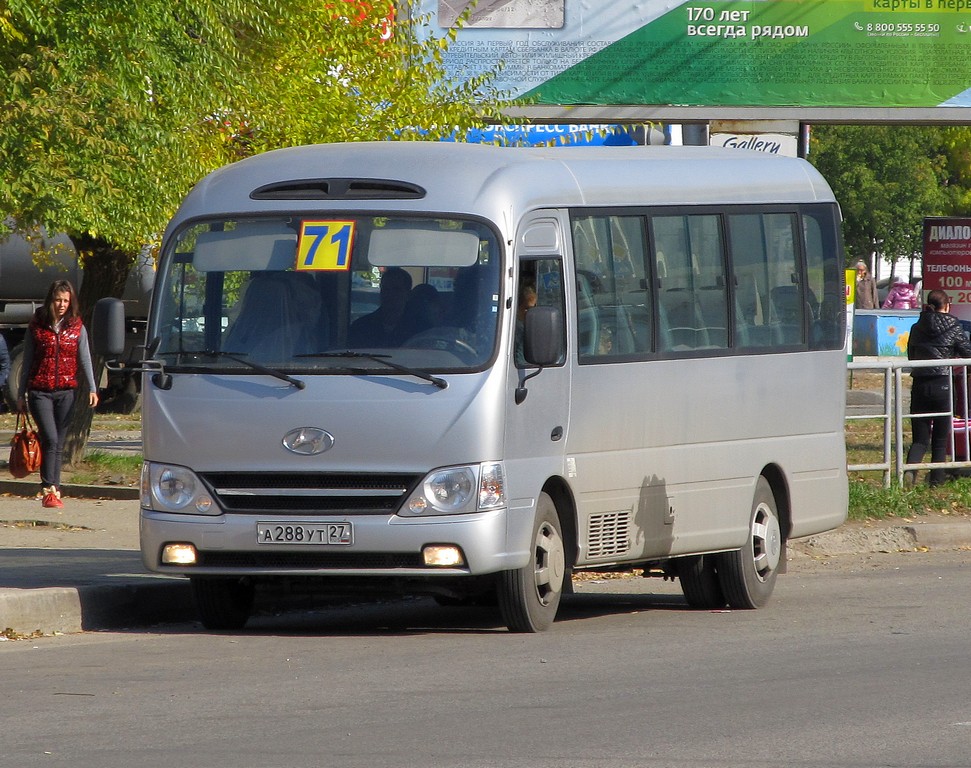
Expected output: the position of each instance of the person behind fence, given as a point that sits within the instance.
(937, 335)
(56, 353)
(866, 288)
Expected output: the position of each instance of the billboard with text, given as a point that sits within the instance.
(811, 53)
(947, 261)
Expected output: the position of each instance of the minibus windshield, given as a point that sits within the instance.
(330, 294)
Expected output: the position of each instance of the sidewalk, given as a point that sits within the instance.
(79, 568)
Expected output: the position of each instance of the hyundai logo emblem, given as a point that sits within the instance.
(308, 441)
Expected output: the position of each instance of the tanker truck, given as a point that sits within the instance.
(23, 287)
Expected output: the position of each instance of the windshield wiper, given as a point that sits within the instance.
(349, 354)
(257, 367)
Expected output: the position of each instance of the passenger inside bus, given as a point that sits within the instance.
(424, 309)
(474, 307)
(788, 312)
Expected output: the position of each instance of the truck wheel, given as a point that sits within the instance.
(748, 575)
(700, 583)
(529, 596)
(222, 603)
(121, 394)
(16, 366)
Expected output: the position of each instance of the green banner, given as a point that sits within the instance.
(785, 52)
(814, 53)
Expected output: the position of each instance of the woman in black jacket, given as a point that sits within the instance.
(937, 335)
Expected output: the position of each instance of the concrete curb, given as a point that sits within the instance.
(941, 535)
(851, 540)
(29, 488)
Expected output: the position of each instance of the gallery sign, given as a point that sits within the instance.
(785, 144)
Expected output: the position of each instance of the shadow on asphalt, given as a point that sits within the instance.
(117, 593)
(422, 615)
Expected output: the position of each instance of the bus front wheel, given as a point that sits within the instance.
(748, 575)
(222, 603)
(529, 596)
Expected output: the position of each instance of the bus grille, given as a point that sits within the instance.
(310, 560)
(310, 493)
(608, 535)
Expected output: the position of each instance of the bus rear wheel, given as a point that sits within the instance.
(700, 583)
(529, 596)
(748, 575)
(222, 603)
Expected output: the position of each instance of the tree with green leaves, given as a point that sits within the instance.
(887, 179)
(111, 109)
(373, 74)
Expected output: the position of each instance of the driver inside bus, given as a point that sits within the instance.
(384, 327)
(527, 300)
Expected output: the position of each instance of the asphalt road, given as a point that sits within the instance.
(859, 660)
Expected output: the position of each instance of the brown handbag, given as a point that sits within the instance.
(24, 448)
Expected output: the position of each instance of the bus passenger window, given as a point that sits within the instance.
(772, 304)
(613, 294)
(825, 279)
(692, 288)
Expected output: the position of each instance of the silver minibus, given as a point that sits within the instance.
(472, 371)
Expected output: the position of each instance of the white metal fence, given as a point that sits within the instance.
(891, 407)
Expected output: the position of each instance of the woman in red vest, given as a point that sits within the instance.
(55, 350)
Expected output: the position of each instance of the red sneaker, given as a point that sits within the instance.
(51, 501)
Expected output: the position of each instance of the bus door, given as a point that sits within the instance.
(536, 426)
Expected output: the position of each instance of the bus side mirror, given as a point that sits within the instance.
(543, 342)
(108, 327)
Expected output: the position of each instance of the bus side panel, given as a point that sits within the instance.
(673, 459)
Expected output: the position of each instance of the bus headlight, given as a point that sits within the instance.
(459, 490)
(171, 488)
(449, 490)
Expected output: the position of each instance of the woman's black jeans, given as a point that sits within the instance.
(931, 394)
(52, 413)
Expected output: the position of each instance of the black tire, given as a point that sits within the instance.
(222, 603)
(121, 395)
(699, 582)
(529, 596)
(748, 575)
(13, 377)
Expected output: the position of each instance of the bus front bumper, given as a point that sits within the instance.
(348, 546)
